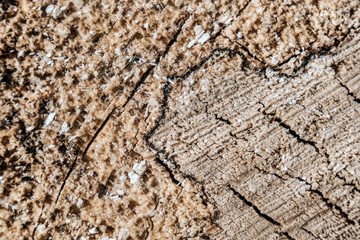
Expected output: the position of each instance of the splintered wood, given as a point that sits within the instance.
(180, 119)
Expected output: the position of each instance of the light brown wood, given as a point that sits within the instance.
(180, 119)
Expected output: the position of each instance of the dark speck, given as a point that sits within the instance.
(27, 179)
(62, 148)
(102, 190)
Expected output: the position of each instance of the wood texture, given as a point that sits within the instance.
(180, 119)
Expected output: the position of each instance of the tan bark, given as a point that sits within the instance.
(179, 119)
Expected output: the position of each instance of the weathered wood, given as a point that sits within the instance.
(179, 119)
(276, 147)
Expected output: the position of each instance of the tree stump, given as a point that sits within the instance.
(180, 119)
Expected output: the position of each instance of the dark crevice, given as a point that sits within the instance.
(204, 196)
(152, 66)
(112, 27)
(219, 33)
(321, 52)
(287, 61)
(355, 188)
(222, 119)
(85, 152)
(305, 61)
(317, 192)
(239, 138)
(349, 93)
(37, 222)
(164, 103)
(150, 228)
(352, 185)
(177, 182)
(270, 173)
(66, 178)
(167, 89)
(256, 209)
(311, 54)
(171, 174)
(243, 8)
(293, 133)
(286, 234)
(217, 117)
(327, 202)
(133, 92)
(83, 155)
(309, 232)
(224, 26)
(250, 54)
(332, 205)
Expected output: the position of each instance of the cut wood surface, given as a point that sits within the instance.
(180, 119)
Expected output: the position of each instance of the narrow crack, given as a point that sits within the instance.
(286, 234)
(349, 93)
(133, 92)
(149, 228)
(257, 210)
(167, 89)
(37, 222)
(253, 206)
(293, 133)
(219, 118)
(237, 15)
(112, 26)
(317, 192)
(328, 202)
(311, 54)
(243, 8)
(249, 53)
(83, 155)
(355, 188)
(309, 232)
(305, 61)
(171, 174)
(148, 71)
(236, 137)
(270, 173)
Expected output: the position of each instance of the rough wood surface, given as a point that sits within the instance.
(180, 119)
